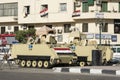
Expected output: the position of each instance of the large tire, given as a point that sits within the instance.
(17, 61)
(82, 63)
(22, 63)
(28, 63)
(40, 64)
(70, 62)
(34, 64)
(46, 64)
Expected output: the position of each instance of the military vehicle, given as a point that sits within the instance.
(93, 55)
(43, 54)
(89, 52)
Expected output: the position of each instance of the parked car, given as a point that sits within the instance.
(116, 54)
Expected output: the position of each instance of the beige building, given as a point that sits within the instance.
(64, 16)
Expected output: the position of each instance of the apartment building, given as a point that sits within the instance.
(9, 16)
(86, 16)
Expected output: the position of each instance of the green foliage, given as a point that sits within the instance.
(22, 36)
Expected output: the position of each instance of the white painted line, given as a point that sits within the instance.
(118, 72)
(75, 70)
(96, 71)
(57, 69)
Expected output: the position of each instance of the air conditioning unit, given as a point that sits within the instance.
(98, 2)
(59, 31)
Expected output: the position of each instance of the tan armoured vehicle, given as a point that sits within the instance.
(42, 55)
(93, 55)
(89, 52)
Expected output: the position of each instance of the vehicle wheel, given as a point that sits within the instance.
(28, 63)
(34, 63)
(82, 63)
(46, 64)
(70, 62)
(22, 63)
(40, 64)
(17, 61)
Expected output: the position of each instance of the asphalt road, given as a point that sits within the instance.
(18, 73)
(48, 74)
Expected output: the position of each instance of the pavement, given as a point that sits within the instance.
(109, 70)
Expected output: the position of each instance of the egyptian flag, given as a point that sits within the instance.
(44, 12)
(76, 13)
(62, 50)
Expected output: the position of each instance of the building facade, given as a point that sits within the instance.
(91, 17)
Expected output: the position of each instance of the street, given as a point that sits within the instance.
(48, 74)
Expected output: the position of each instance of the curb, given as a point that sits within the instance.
(86, 70)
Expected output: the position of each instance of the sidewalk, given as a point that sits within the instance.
(111, 70)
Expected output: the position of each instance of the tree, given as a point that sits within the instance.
(22, 36)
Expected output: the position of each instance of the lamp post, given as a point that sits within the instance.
(100, 31)
(100, 17)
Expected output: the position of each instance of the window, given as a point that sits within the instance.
(27, 9)
(67, 28)
(50, 26)
(9, 27)
(104, 6)
(63, 7)
(105, 27)
(16, 29)
(119, 6)
(30, 27)
(9, 9)
(117, 26)
(60, 38)
(1, 10)
(114, 50)
(45, 6)
(85, 27)
(118, 50)
(2, 30)
(85, 7)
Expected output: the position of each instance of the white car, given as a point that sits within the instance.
(116, 54)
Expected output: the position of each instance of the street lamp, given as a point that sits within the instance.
(100, 17)
(100, 31)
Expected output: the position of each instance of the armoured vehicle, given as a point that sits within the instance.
(93, 55)
(89, 52)
(43, 54)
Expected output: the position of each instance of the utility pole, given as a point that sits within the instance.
(99, 17)
(100, 31)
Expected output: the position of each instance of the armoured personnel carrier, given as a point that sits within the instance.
(42, 54)
(89, 52)
(93, 55)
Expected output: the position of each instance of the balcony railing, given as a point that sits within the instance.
(92, 14)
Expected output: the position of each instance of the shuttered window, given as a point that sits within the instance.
(104, 7)
(119, 6)
(85, 7)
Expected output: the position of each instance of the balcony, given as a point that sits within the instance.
(8, 19)
(92, 14)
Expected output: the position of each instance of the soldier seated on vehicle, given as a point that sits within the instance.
(43, 39)
(52, 41)
(37, 40)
